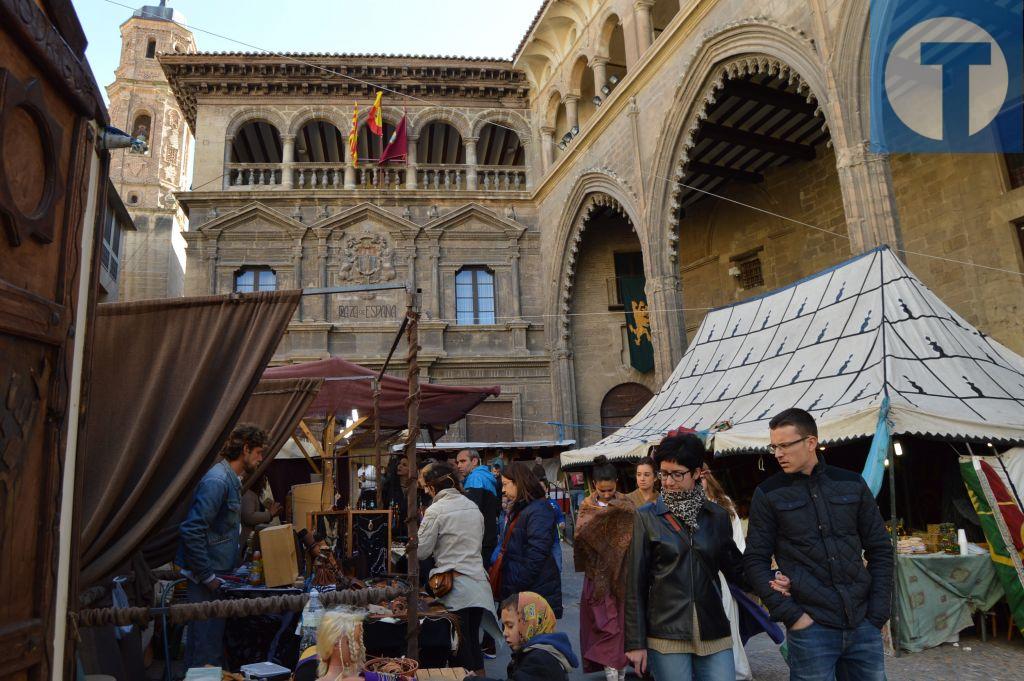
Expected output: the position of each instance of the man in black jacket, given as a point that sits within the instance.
(480, 486)
(820, 523)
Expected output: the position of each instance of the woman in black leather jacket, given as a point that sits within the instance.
(675, 623)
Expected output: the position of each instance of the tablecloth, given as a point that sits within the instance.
(937, 595)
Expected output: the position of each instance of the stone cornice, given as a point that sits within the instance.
(279, 76)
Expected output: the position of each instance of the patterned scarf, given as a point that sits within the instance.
(686, 505)
(537, 616)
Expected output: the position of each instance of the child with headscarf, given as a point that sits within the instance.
(538, 651)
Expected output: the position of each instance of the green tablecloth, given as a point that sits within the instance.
(938, 593)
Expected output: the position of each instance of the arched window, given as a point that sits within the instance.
(615, 41)
(320, 142)
(256, 142)
(474, 295)
(440, 143)
(151, 48)
(499, 145)
(253, 279)
(620, 404)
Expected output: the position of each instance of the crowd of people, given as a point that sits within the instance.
(668, 570)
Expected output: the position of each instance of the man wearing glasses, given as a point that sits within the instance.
(820, 523)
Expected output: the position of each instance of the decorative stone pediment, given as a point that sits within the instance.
(475, 221)
(363, 213)
(256, 219)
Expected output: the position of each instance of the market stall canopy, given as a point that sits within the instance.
(836, 344)
(169, 380)
(277, 406)
(343, 391)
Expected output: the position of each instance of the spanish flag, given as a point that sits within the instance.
(375, 121)
(353, 136)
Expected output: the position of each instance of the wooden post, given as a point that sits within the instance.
(376, 446)
(412, 314)
(894, 618)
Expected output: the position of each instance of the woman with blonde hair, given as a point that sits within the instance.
(339, 645)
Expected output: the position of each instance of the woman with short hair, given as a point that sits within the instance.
(675, 622)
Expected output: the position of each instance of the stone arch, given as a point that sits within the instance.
(271, 116)
(330, 114)
(551, 109)
(453, 117)
(509, 119)
(579, 67)
(743, 48)
(852, 66)
(595, 189)
(389, 114)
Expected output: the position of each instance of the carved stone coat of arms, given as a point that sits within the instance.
(368, 259)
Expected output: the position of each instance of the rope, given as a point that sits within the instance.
(240, 607)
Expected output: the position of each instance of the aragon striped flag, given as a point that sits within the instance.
(375, 121)
(353, 136)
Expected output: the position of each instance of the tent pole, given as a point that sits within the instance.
(894, 619)
(378, 478)
(412, 314)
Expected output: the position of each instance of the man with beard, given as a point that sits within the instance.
(210, 535)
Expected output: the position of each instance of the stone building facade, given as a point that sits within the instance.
(718, 149)
(142, 104)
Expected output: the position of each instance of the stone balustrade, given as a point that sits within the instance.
(251, 174)
(339, 175)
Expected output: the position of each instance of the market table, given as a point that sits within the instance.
(938, 594)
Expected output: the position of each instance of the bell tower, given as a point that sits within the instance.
(142, 104)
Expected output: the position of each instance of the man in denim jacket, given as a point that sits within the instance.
(209, 537)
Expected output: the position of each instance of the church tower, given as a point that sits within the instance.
(141, 103)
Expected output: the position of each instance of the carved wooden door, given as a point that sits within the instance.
(44, 146)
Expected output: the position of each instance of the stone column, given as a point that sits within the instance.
(644, 25)
(297, 273)
(435, 274)
(547, 146)
(322, 252)
(227, 161)
(865, 180)
(563, 389)
(668, 326)
(470, 143)
(410, 162)
(517, 308)
(287, 159)
(350, 170)
(600, 67)
(572, 110)
(212, 257)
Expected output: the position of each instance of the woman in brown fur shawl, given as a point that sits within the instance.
(604, 530)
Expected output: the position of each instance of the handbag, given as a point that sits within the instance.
(494, 572)
(441, 583)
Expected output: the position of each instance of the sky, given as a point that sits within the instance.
(465, 28)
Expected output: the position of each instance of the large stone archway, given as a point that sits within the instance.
(602, 197)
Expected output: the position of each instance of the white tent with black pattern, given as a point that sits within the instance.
(849, 344)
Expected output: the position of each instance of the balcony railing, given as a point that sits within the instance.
(422, 177)
(252, 174)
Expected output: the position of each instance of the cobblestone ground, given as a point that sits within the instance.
(972, 660)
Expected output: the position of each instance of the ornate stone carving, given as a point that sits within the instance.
(368, 259)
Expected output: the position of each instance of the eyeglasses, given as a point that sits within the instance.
(678, 476)
(785, 445)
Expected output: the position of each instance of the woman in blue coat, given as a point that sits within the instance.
(527, 562)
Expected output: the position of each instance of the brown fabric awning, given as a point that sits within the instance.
(440, 406)
(277, 406)
(170, 379)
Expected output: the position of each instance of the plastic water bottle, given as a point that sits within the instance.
(311, 614)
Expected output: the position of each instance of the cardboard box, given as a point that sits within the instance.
(453, 674)
(280, 564)
(305, 499)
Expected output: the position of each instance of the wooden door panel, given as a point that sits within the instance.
(44, 146)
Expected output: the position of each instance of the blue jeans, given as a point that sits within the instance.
(205, 644)
(689, 667)
(820, 653)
